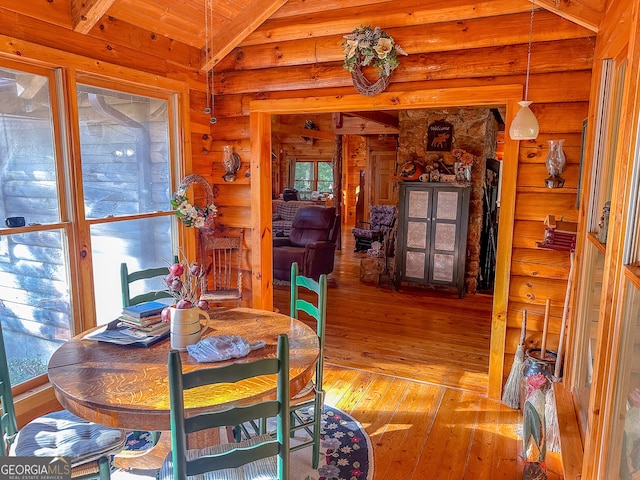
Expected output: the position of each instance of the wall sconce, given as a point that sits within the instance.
(525, 125)
(231, 161)
(555, 163)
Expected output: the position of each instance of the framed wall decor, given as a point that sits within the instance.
(439, 136)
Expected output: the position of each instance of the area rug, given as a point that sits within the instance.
(345, 454)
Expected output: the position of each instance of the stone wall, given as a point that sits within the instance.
(474, 131)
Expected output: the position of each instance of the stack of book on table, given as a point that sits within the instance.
(138, 325)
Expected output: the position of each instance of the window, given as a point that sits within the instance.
(124, 140)
(313, 176)
(113, 203)
(624, 444)
(590, 313)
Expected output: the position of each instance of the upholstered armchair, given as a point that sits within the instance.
(377, 229)
(311, 243)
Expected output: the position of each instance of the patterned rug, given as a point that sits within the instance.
(345, 453)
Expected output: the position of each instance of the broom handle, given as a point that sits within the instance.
(545, 328)
(565, 311)
(523, 330)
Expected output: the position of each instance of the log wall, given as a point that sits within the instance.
(292, 61)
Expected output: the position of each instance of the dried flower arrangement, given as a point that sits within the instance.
(370, 46)
(192, 215)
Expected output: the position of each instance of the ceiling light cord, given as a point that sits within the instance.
(524, 125)
(526, 82)
(208, 47)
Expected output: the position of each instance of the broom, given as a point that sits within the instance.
(511, 394)
(553, 428)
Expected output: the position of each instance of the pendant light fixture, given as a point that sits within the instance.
(525, 125)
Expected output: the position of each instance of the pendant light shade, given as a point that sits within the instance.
(524, 125)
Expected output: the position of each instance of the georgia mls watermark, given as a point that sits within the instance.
(35, 468)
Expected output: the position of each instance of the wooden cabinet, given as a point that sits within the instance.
(432, 234)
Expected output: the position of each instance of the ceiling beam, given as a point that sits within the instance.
(586, 13)
(251, 17)
(361, 126)
(377, 117)
(303, 132)
(86, 13)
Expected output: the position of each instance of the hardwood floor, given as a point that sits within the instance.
(412, 367)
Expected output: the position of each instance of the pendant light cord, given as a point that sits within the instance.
(526, 82)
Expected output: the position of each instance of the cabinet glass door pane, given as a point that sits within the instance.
(443, 268)
(416, 235)
(415, 264)
(445, 237)
(418, 204)
(447, 208)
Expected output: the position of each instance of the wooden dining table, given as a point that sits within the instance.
(127, 387)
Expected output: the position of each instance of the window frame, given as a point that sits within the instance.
(63, 78)
(314, 180)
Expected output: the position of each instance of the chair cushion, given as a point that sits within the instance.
(382, 217)
(264, 469)
(287, 210)
(312, 224)
(366, 233)
(63, 434)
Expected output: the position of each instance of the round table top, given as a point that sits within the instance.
(127, 387)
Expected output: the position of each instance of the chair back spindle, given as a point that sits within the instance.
(222, 259)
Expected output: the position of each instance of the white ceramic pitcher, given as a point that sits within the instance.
(186, 328)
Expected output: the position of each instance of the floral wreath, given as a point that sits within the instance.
(192, 215)
(366, 46)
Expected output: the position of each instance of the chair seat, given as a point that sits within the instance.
(366, 233)
(221, 295)
(264, 469)
(63, 434)
(308, 391)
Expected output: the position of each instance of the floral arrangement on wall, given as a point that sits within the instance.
(192, 215)
(371, 46)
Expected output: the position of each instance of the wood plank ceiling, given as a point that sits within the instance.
(216, 27)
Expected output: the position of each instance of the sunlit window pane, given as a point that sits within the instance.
(34, 300)
(125, 152)
(304, 179)
(27, 153)
(625, 462)
(325, 177)
(140, 244)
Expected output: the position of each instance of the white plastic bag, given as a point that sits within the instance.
(222, 347)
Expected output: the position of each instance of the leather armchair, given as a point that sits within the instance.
(311, 243)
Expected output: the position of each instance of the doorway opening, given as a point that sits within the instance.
(505, 96)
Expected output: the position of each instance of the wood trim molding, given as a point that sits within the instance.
(484, 96)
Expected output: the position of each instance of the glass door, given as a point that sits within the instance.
(590, 313)
(623, 454)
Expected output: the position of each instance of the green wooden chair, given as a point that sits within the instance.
(57, 434)
(126, 279)
(262, 457)
(313, 394)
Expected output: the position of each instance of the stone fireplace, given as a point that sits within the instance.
(475, 131)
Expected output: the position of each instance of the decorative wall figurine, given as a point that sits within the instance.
(231, 162)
